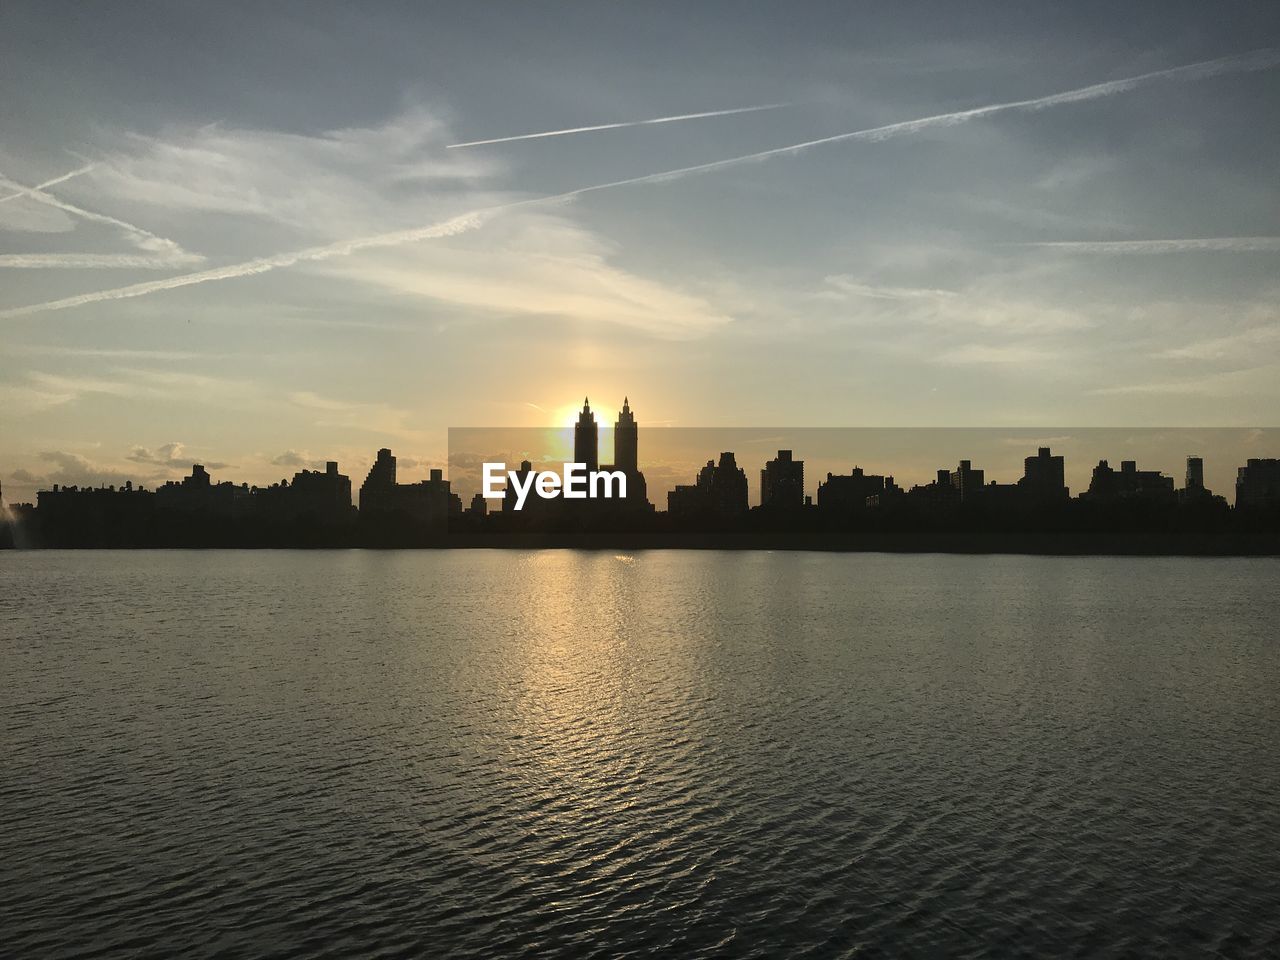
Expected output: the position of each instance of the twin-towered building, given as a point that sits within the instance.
(626, 452)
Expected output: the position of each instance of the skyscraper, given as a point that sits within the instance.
(586, 438)
(966, 481)
(1044, 476)
(626, 440)
(380, 481)
(782, 482)
(1258, 484)
(1195, 475)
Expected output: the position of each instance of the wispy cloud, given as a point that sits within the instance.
(95, 261)
(539, 263)
(1257, 60)
(331, 185)
(41, 389)
(982, 305)
(445, 228)
(982, 353)
(1225, 384)
(298, 459)
(1177, 245)
(619, 125)
(122, 353)
(172, 455)
(158, 248)
(1218, 348)
(377, 418)
(29, 191)
(848, 286)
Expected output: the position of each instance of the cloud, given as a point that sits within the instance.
(445, 228)
(40, 350)
(372, 417)
(538, 264)
(152, 468)
(158, 247)
(27, 216)
(1241, 344)
(167, 455)
(847, 285)
(72, 469)
(42, 390)
(1230, 383)
(291, 458)
(95, 261)
(1177, 245)
(333, 184)
(18, 400)
(1255, 60)
(63, 178)
(982, 353)
(986, 304)
(299, 460)
(620, 125)
(473, 219)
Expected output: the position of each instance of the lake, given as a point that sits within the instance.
(676, 753)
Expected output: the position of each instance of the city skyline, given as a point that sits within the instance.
(327, 233)
(832, 452)
(672, 454)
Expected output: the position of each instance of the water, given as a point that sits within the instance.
(673, 753)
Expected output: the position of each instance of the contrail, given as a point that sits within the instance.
(1257, 60)
(143, 239)
(618, 126)
(1240, 63)
(78, 261)
(28, 191)
(1177, 245)
(445, 228)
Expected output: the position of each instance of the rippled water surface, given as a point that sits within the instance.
(672, 753)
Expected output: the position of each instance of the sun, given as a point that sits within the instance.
(566, 415)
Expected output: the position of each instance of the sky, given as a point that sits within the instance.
(265, 237)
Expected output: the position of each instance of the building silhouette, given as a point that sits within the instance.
(586, 438)
(966, 481)
(1129, 483)
(782, 483)
(626, 455)
(509, 495)
(1193, 489)
(720, 492)
(856, 491)
(1195, 475)
(939, 494)
(381, 478)
(1258, 484)
(626, 449)
(314, 507)
(1044, 477)
(198, 494)
(429, 502)
(626, 440)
